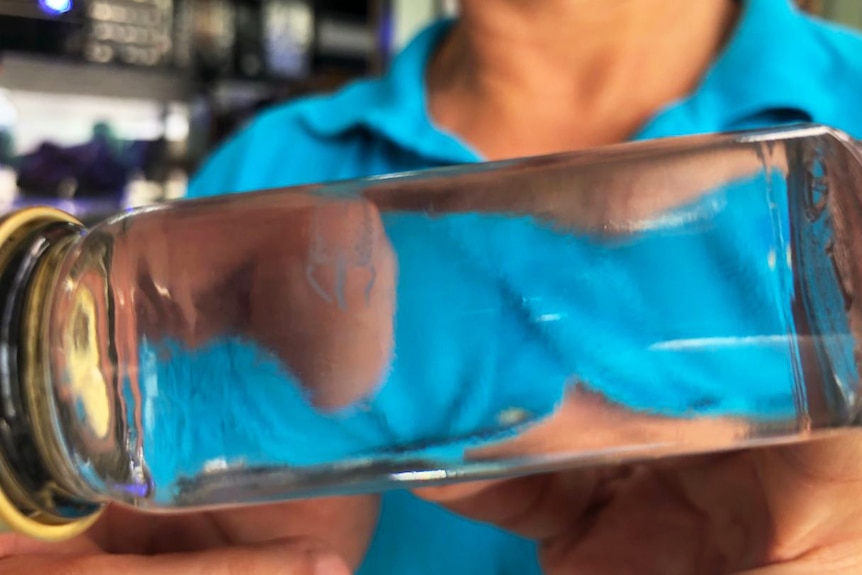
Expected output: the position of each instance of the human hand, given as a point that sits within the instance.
(319, 537)
(783, 510)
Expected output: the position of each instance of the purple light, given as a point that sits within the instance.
(55, 6)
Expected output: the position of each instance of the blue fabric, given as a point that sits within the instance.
(779, 67)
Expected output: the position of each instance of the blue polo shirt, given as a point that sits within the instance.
(779, 67)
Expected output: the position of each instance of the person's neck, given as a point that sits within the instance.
(525, 77)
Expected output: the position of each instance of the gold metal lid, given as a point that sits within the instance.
(14, 229)
(12, 519)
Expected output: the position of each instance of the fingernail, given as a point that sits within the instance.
(330, 565)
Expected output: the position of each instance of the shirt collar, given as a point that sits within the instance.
(394, 105)
(772, 61)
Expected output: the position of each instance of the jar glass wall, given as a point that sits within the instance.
(669, 297)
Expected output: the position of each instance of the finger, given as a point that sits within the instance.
(283, 558)
(343, 524)
(798, 569)
(543, 506)
(697, 515)
(13, 544)
(820, 565)
(812, 491)
(702, 515)
(537, 507)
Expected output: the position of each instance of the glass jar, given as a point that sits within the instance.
(649, 299)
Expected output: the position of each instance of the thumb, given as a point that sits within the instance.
(292, 557)
(812, 490)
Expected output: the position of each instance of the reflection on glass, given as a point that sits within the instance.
(648, 299)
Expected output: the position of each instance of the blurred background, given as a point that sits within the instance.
(110, 103)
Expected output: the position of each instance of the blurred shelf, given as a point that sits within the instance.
(243, 91)
(50, 75)
(43, 74)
